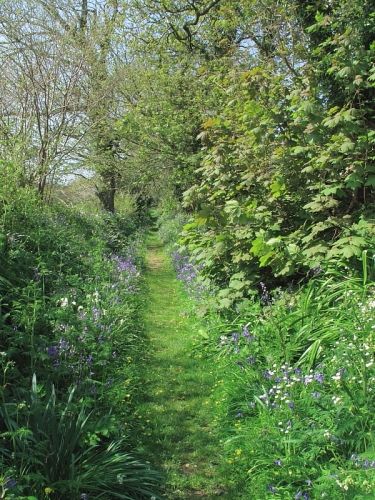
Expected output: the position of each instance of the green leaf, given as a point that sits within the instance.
(315, 250)
(277, 188)
(293, 249)
(274, 241)
(370, 181)
(265, 259)
(225, 303)
(347, 146)
(332, 189)
(299, 149)
(257, 245)
(344, 72)
(350, 251)
(354, 180)
(224, 292)
(237, 285)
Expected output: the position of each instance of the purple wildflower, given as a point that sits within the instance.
(81, 314)
(307, 379)
(10, 483)
(95, 313)
(302, 494)
(235, 337)
(265, 297)
(63, 345)
(247, 335)
(267, 374)
(37, 276)
(52, 351)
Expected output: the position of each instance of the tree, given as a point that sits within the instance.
(41, 93)
(59, 101)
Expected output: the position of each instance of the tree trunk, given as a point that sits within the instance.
(107, 193)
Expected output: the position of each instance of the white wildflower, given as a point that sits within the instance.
(64, 302)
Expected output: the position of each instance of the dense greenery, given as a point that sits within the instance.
(72, 346)
(295, 393)
(282, 95)
(247, 128)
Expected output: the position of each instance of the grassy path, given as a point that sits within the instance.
(179, 436)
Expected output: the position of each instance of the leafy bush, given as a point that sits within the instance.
(170, 226)
(287, 179)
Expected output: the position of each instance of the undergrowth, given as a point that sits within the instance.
(295, 399)
(72, 349)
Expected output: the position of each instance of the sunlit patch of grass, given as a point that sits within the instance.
(177, 417)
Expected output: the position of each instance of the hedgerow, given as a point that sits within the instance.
(72, 347)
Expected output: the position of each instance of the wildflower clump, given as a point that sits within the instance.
(298, 392)
(73, 334)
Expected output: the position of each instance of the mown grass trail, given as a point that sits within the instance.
(178, 432)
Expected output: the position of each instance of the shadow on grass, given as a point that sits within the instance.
(176, 417)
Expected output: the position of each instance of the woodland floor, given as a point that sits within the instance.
(179, 436)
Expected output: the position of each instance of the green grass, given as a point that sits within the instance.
(176, 415)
